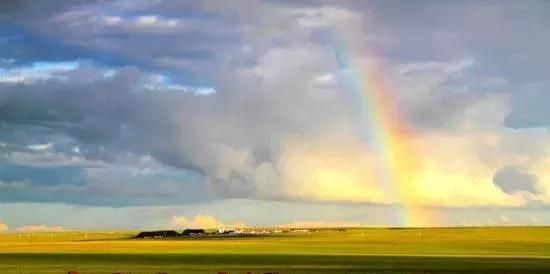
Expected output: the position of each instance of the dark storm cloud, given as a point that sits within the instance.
(90, 121)
(91, 110)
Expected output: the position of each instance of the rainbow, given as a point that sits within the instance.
(388, 136)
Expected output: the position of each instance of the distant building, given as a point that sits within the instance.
(193, 232)
(157, 234)
(225, 231)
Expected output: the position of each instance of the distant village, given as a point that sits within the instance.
(194, 232)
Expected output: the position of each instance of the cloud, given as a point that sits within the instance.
(40, 147)
(512, 179)
(311, 151)
(319, 224)
(3, 227)
(121, 183)
(40, 228)
(253, 102)
(528, 111)
(15, 185)
(504, 220)
(347, 175)
(437, 67)
(38, 71)
(155, 21)
(202, 221)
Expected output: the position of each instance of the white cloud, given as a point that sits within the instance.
(40, 228)
(202, 221)
(323, 80)
(112, 20)
(3, 227)
(325, 16)
(437, 67)
(319, 224)
(40, 147)
(147, 20)
(154, 21)
(504, 220)
(75, 150)
(37, 71)
(163, 86)
(45, 158)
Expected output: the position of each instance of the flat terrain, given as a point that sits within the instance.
(365, 250)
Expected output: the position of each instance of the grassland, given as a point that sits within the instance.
(368, 250)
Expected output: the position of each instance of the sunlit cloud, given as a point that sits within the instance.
(3, 227)
(40, 228)
(202, 221)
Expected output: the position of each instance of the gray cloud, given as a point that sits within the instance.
(530, 106)
(513, 179)
(21, 10)
(178, 128)
(261, 62)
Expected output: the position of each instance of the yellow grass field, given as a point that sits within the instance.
(435, 249)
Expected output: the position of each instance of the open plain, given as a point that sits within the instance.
(358, 250)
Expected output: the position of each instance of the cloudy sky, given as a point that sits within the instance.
(160, 113)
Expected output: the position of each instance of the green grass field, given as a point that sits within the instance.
(366, 250)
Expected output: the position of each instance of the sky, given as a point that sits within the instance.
(161, 113)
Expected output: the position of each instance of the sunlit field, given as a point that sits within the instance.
(438, 250)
